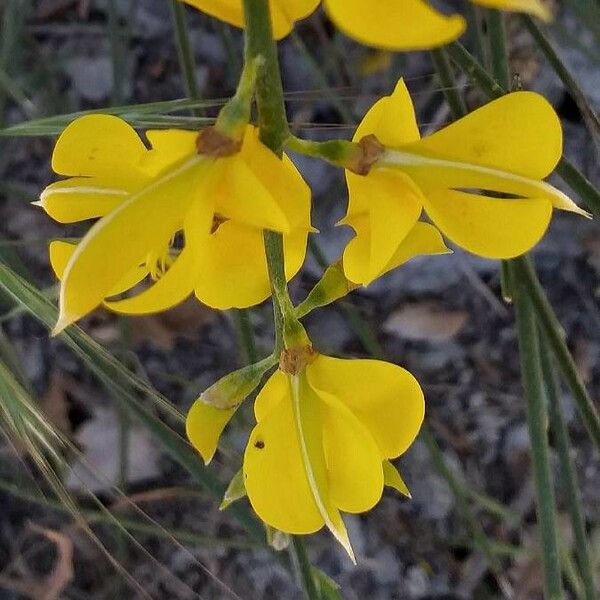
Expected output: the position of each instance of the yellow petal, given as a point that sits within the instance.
(384, 397)
(275, 477)
(99, 146)
(489, 227)
(204, 425)
(169, 146)
(242, 197)
(406, 25)
(533, 7)
(171, 289)
(392, 206)
(294, 247)
(422, 239)
(283, 12)
(280, 177)
(275, 390)
(519, 133)
(80, 198)
(60, 253)
(391, 119)
(393, 479)
(234, 268)
(354, 473)
(122, 239)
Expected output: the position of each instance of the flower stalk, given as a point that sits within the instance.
(274, 130)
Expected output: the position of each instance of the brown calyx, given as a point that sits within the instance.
(218, 220)
(293, 361)
(371, 150)
(211, 142)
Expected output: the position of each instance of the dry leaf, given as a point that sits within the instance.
(63, 394)
(426, 321)
(163, 329)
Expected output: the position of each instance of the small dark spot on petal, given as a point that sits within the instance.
(259, 444)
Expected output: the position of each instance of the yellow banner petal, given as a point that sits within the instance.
(99, 146)
(394, 24)
(519, 133)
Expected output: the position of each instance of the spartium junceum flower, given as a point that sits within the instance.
(391, 24)
(411, 24)
(479, 180)
(284, 13)
(186, 215)
(324, 437)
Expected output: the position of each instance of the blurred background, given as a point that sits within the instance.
(469, 531)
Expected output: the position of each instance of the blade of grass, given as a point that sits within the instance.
(447, 79)
(134, 525)
(498, 53)
(590, 117)
(568, 475)
(119, 382)
(537, 419)
(524, 272)
(185, 54)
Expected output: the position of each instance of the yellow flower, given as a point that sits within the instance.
(479, 181)
(283, 12)
(322, 442)
(193, 223)
(411, 24)
(390, 24)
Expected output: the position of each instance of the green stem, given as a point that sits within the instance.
(447, 79)
(303, 568)
(185, 54)
(567, 470)
(272, 117)
(498, 54)
(274, 130)
(243, 326)
(473, 14)
(524, 273)
(339, 153)
(531, 373)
